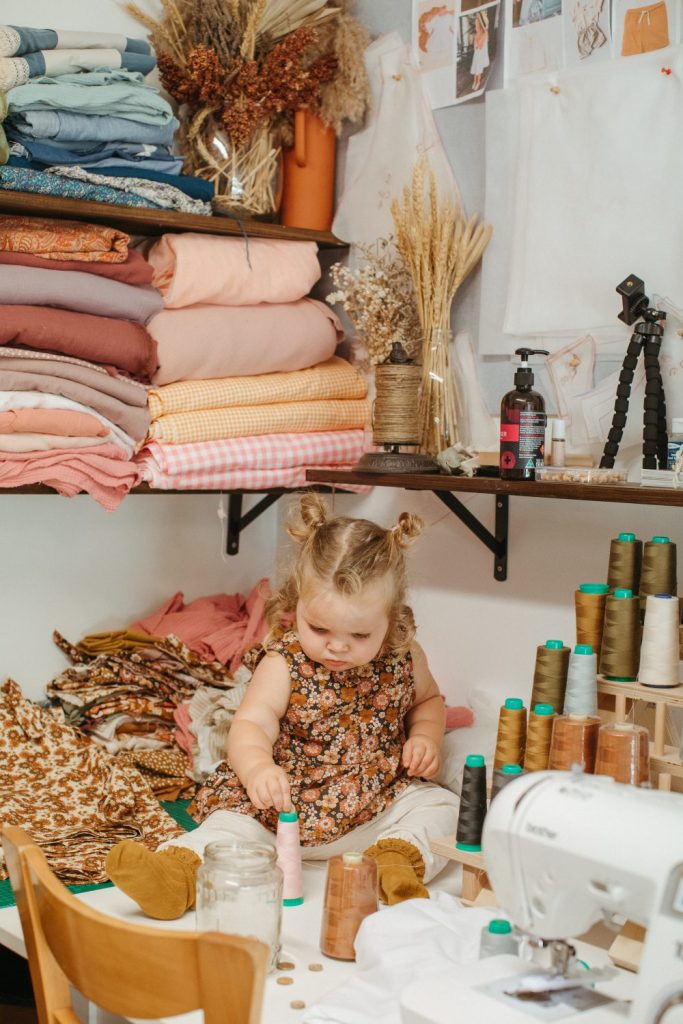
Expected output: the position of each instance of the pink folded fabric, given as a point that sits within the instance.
(135, 269)
(201, 342)
(222, 626)
(51, 421)
(243, 480)
(203, 459)
(104, 472)
(191, 269)
(99, 339)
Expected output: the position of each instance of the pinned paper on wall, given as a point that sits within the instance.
(455, 46)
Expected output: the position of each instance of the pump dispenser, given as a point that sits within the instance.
(522, 423)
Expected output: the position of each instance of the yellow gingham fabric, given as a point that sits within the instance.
(251, 420)
(333, 379)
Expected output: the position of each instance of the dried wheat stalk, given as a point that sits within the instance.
(440, 247)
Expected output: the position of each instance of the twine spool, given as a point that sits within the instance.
(501, 777)
(550, 674)
(621, 640)
(350, 895)
(625, 560)
(659, 651)
(289, 858)
(589, 601)
(472, 804)
(623, 752)
(581, 695)
(538, 737)
(511, 733)
(395, 409)
(574, 741)
(658, 573)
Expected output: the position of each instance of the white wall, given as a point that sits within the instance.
(71, 566)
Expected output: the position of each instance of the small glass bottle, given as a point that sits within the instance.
(239, 891)
(558, 443)
(675, 443)
(497, 938)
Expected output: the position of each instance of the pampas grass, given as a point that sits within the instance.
(440, 247)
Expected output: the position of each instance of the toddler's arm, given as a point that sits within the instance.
(426, 721)
(254, 730)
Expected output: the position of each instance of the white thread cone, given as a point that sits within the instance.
(659, 650)
(581, 695)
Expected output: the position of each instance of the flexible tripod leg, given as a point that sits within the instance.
(654, 413)
(616, 431)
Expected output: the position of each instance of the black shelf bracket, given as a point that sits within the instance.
(496, 543)
(238, 522)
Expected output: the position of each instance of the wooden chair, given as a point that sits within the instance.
(129, 970)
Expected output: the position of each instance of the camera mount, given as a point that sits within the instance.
(646, 338)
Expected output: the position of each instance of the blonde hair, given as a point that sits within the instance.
(346, 554)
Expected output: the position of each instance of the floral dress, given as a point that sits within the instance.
(340, 743)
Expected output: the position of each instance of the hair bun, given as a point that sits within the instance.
(407, 529)
(312, 513)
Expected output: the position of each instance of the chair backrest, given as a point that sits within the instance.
(129, 970)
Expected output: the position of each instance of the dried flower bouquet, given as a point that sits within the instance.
(378, 298)
(440, 246)
(239, 69)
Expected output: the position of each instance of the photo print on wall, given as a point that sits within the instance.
(455, 45)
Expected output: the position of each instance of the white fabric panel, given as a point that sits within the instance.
(63, 62)
(599, 193)
(86, 40)
(380, 157)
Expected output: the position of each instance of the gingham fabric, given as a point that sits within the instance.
(244, 420)
(333, 379)
(266, 452)
(239, 479)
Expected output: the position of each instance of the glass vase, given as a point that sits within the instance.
(247, 179)
(437, 413)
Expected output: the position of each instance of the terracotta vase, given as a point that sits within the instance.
(309, 168)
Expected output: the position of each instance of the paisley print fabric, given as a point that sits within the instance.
(340, 743)
(63, 239)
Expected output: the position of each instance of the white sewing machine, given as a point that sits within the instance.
(562, 852)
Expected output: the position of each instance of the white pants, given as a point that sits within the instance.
(424, 811)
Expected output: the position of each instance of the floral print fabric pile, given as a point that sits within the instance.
(72, 797)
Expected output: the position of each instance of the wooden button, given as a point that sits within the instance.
(315, 967)
(297, 1004)
(285, 981)
(285, 965)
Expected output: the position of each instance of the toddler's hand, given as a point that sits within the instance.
(421, 756)
(268, 786)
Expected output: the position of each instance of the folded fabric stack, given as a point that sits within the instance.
(74, 356)
(248, 393)
(83, 124)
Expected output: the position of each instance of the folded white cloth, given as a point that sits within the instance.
(400, 944)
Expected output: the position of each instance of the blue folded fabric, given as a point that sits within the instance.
(196, 188)
(16, 40)
(70, 127)
(87, 152)
(131, 61)
(21, 179)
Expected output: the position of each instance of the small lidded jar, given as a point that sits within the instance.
(239, 891)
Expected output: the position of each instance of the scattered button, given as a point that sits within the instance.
(285, 981)
(315, 967)
(297, 1004)
(285, 965)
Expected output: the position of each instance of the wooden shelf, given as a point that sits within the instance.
(671, 695)
(139, 221)
(669, 761)
(632, 494)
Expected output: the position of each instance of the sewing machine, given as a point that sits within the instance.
(564, 851)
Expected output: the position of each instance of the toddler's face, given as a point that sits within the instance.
(343, 632)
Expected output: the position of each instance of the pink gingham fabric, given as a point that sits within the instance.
(248, 463)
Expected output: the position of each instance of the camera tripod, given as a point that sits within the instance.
(646, 338)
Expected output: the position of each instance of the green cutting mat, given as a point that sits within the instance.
(176, 808)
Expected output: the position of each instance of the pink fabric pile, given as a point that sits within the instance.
(238, 308)
(75, 356)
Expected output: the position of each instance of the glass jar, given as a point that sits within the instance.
(239, 891)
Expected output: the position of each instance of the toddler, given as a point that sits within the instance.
(341, 720)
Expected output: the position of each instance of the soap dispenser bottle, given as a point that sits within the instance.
(522, 423)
